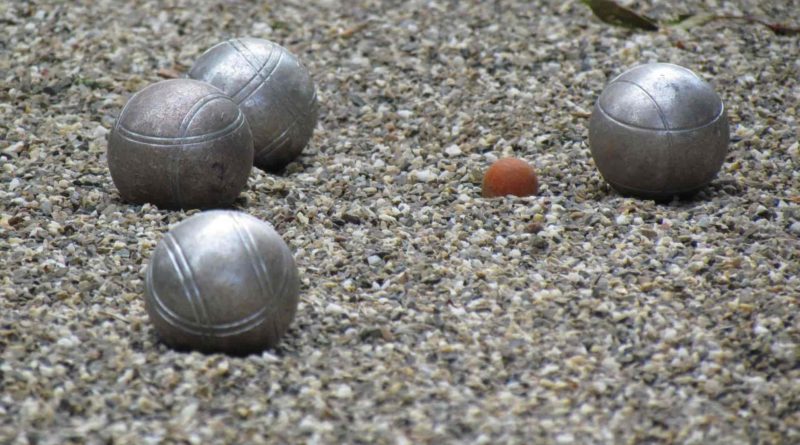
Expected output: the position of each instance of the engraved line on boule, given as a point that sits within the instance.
(652, 99)
(262, 73)
(304, 112)
(278, 96)
(187, 279)
(214, 47)
(178, 154)
(179, 271)
(133, 136)
(195, 109)
(185, 325)
(208, 51)
(264, 77)
(285, 265)
(204, 329)
(287, 269)
(636, 127)
(170, 317)
(293, 111)
(218, 330)
(250, 60)
(256, 261)
(166, 314)
(275, 143)
(249, 84)
(118, 124)
(190, 279)
(278, 141)
(673, 131)
(161, 140)
(275, 296)
(250, 57)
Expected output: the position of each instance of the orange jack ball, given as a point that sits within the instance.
(510, 176)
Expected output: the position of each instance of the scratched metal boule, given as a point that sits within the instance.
(658, 130)
(274, 90)
(222, 281)
(180, 143)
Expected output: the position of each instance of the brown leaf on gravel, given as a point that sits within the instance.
(693, 21)
(168, 73)
(349, 32)
(782, 30)
(610, 12)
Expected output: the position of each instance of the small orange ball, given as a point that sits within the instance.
(510, 176)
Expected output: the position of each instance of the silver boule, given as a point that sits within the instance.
(658, 130)
(274, 90)
(222, 281)
(180, 144)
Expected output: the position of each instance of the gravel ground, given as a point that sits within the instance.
(428, 314)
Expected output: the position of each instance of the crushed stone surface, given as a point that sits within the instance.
(428, 314)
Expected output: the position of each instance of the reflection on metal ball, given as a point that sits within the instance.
(658, 130)
(222, 281)
(274, 90)
(180, 144)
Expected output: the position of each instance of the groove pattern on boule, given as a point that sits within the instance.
(658, 130)
(222, 281)
(180, 144)
(273, 89)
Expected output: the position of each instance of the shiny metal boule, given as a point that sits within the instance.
(274, 90)
(222, 281)
(657, 131)
(180, 144)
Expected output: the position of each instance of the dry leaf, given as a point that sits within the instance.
(610, 12)
(349, 32)
(703, 19)
(168, 73)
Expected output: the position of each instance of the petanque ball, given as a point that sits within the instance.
(658, 130)
(180, 143)
(222, 281)
(274, 90)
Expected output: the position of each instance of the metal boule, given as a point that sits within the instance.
(222, 281)
(658, 130)
(180, 143)
(274, 90)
